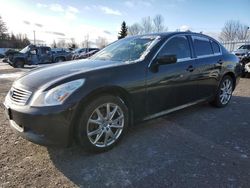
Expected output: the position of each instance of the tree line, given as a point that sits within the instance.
(234, 30)
(231, 31)
(145, 26)
(8, 40)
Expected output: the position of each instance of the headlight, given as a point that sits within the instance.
(56, 95)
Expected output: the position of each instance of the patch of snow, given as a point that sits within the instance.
(10, 75)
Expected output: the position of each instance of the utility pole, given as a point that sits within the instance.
(34, 37)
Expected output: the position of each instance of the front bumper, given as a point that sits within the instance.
(41, 125)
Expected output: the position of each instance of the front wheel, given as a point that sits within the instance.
(103, 123)
(224, 93)
(18, 64)
(59, 59)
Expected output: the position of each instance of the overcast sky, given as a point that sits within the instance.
(75, 19)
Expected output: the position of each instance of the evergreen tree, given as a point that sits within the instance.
(124, 31)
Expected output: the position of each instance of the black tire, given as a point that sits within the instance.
(82, 130)
(59, 59)
(18, 64)
(217, 102)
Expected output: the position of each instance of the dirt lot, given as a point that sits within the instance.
(197, 147)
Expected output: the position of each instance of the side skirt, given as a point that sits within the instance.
(173, 109)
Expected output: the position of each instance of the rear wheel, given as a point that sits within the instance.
(224, 92)
(103, 123)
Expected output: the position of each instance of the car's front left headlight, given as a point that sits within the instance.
(56, 95)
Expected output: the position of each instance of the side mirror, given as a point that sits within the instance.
(166, 59)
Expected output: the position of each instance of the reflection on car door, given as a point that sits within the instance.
(208, 66)
(173, 84)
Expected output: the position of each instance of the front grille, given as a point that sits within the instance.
(19, 96)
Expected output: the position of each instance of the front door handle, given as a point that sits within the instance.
(190, 68)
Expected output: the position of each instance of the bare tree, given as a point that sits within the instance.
(61, 43)
(229, 31)
(243, 32)
(134, 29)
(158, 23)
(72, 44)
(3, 29)
(53, 45)
(146, 24)
(85, 43)
(101, 42)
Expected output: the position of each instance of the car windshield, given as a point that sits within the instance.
(25, 50)
(128, 49)
(245, 47)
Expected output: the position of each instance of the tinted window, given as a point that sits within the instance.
(45, 50)
(245, 47)
(202, 46)
(176, 46)
(216, 47)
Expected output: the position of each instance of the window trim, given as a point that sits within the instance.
(179, 59)
(191, 45)
(202, 56)
(212, 41)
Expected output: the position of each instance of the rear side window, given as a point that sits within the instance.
(202, 46)
(177, 46)
(216, 47)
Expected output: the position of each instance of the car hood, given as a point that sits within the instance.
(50, 74)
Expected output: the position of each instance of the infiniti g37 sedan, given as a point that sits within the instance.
(94, 101)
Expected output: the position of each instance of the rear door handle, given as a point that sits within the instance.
(190, 68)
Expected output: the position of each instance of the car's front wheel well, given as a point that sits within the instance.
(233, 77)
(114, 91)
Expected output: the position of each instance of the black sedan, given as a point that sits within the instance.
(94, 101)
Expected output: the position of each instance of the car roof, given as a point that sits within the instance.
(170, 34)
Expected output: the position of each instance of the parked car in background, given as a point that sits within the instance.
(2, 52)
(245, 63)
(82, 51)
(136, 78)
(9, 53)
(33, 55)
(84, 55)
(59, 50)
(242, 50)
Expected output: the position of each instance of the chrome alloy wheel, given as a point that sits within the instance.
(105, 125)
(226, 91)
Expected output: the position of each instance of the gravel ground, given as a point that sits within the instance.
(199, 146)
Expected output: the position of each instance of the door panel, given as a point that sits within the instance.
(207, 73)
(208, 66)
(173, 85)
(45, 55)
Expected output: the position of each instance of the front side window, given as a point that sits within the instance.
(202, 46)
(177, 46)
(128, 49)
(33, 52)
